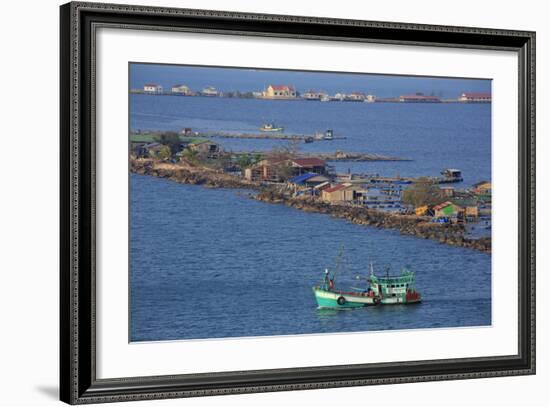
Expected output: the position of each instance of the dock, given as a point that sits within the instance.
(336, 156)
(266, 136)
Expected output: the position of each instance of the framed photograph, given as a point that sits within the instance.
(255, 203)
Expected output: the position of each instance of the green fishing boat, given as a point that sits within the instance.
(385, 290)
(399, 289)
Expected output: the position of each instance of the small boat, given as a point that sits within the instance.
(309, 139)
(270, 127)
(450, 175)
(379, 291)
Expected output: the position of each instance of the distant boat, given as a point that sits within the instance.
(309, 139)
(325, 98)
(450, 175)
(379, 290)
(270, 127)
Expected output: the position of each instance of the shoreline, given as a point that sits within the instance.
(410, 225)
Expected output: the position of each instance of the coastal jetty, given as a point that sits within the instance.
(413, 225)
(337, 156)
(419, 226)
(266, 136)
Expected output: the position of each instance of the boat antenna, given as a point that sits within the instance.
(339, 260)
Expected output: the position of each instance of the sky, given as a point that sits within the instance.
(247, 79)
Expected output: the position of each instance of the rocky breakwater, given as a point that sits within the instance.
(419, 226)
(187, 174)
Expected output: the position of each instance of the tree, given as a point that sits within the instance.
(191, 156)
(164, 153)
(423, 192)
(170, 139)
(247, 160)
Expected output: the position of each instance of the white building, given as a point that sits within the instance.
(210, 91)
(152, 88)
(181, 89)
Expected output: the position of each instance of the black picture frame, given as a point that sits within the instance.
(78, 382)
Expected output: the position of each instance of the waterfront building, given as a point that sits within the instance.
(475, 97)
(356, 97)
(370, 99)
(482, 188)
(210, 91)
(309, 179)
(345, 192)
(419, 98)
(339, 96)
(146, 150)
(308, 165)
(279, 92)
(472, 211)
(182, 90)
(447, 209)
(313, 95)
(269, 170)
(334, 193)
(152, 88)
(422, 210)
(205, 148)
(448, 191)
(282, 169)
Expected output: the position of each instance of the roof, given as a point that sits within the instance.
(301, 178)
(477, 184)
(309, 162)
(323, 186)
(476, 94)
(335, 188)
(282, 87)
(179, 85)
(151, 84)
(442, 205)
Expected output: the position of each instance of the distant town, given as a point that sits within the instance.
(289, 92)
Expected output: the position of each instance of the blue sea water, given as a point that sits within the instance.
(214, 263)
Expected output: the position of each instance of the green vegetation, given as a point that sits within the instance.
(423, 192)
(170, 139)
(247, 160)
(164, 153)
(191, 156)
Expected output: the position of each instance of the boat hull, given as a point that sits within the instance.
(398, 300)
(337, 299)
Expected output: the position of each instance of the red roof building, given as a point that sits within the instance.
(309, 162)
(335, 188)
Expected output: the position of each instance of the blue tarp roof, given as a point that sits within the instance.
(299, 179)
